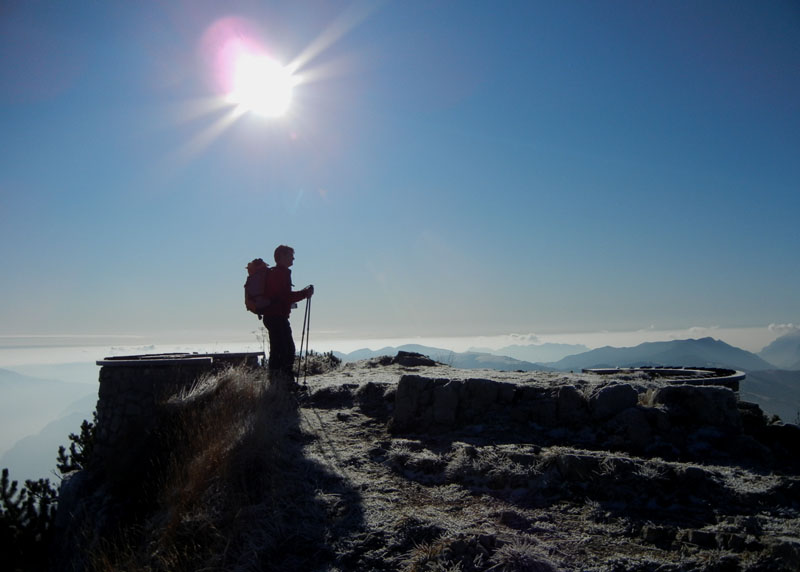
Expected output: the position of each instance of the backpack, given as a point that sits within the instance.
(255, 287)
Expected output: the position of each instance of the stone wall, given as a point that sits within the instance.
(661, 419)
(132, 388)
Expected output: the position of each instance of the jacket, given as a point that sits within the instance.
(280, 293)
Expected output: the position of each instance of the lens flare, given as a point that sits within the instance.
(261, 85)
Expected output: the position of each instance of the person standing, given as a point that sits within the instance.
(276, 315)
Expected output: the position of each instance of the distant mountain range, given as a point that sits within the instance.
(777, 391)
(462, 360)
(34, 456)
(34, 416)
(784, 352)
(536, 353)
(705, 352)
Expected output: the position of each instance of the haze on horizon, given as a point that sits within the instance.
(442, 170)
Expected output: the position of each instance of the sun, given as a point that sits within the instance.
(261, 85)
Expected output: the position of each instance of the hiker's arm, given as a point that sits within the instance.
(306, 292)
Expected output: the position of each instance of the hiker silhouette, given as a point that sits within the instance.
(276, 315)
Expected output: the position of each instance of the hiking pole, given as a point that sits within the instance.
(302, 340)
(306, 320)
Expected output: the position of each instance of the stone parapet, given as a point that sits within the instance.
(656, 417)
(132, 389)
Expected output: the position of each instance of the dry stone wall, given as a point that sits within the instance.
(132, 390)
(127, 408)
(672, 421)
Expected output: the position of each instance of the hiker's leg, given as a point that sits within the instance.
(288, 363)
(281, 345)
(273, 328)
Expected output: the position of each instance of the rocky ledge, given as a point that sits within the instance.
(492, 470)
(399, 463)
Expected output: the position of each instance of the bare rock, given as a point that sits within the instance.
(572, 405)
(374, 398)
(783, 437)
(753, 418)
(542, 411)
(632, 424)
(660, 536)
(481, 391)
(612, 399)
(701, 538)
(412, 359)
(410, 393)
(445, 403)
(700, 405)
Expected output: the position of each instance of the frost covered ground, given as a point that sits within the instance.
(485, 497)
(251, 476)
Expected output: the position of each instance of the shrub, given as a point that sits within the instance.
(315, 364)
(80, 450)
(26, 522)
(27, 513)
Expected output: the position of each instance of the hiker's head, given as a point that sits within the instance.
(284, 256)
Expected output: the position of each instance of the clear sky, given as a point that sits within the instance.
(444, 168)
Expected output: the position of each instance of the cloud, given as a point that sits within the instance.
(702, 331)
(783, 329)
(525, 338)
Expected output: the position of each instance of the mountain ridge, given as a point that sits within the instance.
(784, 352)
(699, 352)
(462, 360)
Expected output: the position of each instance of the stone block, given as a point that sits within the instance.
(700, 405)
(406, 399)
(610, 400)
(506, 392)
(572, 407)
(542, 411)
(481, 392)
(445, 403)
(701, 538)
(658, 419)
(133, 409)
(632, 424)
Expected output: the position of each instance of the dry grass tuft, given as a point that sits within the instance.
(230, 430)
(522, 555)
(230, 497)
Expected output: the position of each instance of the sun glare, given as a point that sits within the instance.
(261, 85)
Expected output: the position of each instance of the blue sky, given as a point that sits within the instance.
(445, 169)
